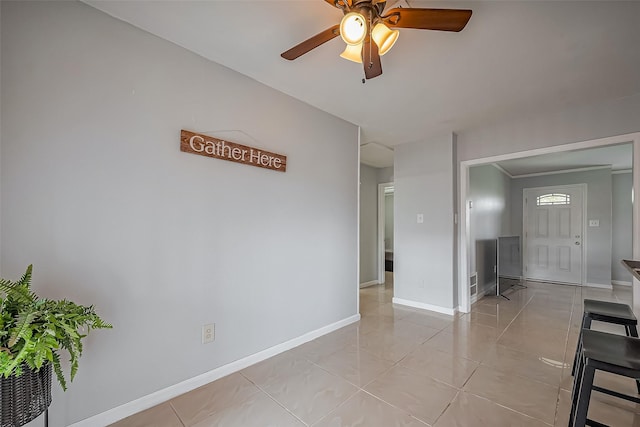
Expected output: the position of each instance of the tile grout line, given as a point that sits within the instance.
(516, 316)
(566, 346)
(508, 408)
(176, 413)
(274, 400)
(394, 406)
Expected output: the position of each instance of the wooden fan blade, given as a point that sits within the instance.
(428, 19)
(312, 43)
(371, 59)
(340, 4)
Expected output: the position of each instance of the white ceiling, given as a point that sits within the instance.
(376, 155)
(513, 58)
(617, 157)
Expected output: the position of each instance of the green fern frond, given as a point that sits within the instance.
(22, 328)
(34, 330)
(25, 280)
(58, 370)
(16, 363)
(16, 292)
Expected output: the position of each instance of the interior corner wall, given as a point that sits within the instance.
(423, 253)
(622, 220)
(489, 217)
(368, 223)
(96, 193)
(598, 239)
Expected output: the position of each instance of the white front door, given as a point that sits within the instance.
(553, 230)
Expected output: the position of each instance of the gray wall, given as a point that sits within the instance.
(423, 267)
(490, 192)
(511, 135)
(622, 220)
(385, 175)
(97, 195)
(1, 140)
(368, 223)
(598, 207)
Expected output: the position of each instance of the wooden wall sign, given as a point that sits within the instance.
(191, 142)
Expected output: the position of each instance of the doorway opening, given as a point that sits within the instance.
(466, 243)
(385, 232)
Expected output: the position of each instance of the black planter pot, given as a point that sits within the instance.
(25, 397)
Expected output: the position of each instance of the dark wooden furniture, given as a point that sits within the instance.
(633, 267)
(604, 352)
(609, 312)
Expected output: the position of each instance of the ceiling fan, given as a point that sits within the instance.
(367, 29)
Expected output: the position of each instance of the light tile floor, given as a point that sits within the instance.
(507, 363)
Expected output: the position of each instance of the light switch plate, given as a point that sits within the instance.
(420, 218)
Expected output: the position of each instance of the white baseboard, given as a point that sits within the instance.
(507, 276)
(369, 283)
(483, 293)
(598, 285)
(430, 307)
(488, 291)
(120, 412)
(621, 283)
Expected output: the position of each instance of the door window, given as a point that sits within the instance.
(553, 199)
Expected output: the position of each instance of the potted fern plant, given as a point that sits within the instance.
(33, 331)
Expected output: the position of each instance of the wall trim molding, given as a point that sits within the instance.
(599, 285)
(424, 306)
(621, 283)
(145, 402)
(621, 171)
(501, 169)
(369, 283)
(585, 169)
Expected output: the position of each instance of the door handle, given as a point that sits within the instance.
(577, 243)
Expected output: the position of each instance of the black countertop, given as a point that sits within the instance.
(633, 267)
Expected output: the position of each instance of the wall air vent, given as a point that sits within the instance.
(473, 283)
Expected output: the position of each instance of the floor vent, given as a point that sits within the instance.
(473, 283)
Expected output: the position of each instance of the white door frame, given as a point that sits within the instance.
(381, 221)
(464, 297)
(583, 231)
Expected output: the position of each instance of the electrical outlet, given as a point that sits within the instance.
(208, 333)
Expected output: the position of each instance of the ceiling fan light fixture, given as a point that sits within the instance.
(353, 28)
(384, 37)
(353, 53)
